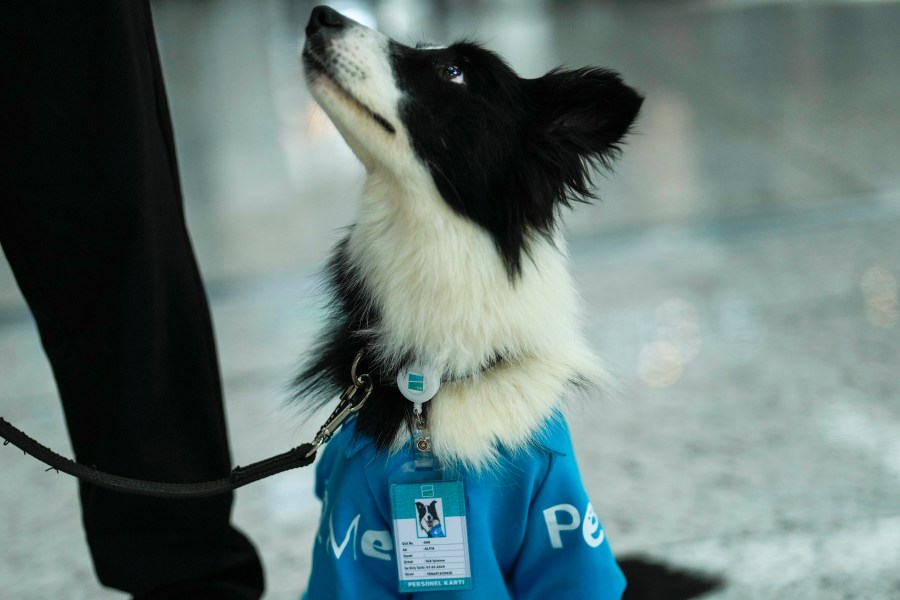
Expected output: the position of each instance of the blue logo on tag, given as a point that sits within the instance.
(415, 382)
(427, 491)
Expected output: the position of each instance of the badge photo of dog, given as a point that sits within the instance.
(429, 519)
(456, 261)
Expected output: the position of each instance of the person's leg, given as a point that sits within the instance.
(91, 222)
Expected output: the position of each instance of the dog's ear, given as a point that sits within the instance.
(580, 118)
(420, 508)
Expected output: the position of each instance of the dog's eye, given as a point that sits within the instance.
(452, 73)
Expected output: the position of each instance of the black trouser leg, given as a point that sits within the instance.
(91, 222)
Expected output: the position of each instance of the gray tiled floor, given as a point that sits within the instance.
(741, 277)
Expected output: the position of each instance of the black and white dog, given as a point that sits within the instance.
(429, 520)
(455, 259)
(456, 262)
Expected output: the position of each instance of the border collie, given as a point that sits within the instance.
(455, 259)
(455, 262)
(429, 521)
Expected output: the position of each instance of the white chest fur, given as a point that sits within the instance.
(445, 298)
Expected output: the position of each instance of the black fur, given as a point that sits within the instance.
(351, 318)
(505, 152)
(652, 580)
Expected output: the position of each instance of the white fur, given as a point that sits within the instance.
(359, 58)
(443, 292)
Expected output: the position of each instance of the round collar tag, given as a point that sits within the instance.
(418, 383)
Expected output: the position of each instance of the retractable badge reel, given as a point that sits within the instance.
(419, 385)
(428, 506)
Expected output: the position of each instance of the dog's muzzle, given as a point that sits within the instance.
(324, 23)
(324, 27)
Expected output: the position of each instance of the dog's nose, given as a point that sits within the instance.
(325, 18)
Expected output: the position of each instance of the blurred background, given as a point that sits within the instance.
(740, 275)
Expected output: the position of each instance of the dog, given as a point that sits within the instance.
(456, 261)
(429, 522)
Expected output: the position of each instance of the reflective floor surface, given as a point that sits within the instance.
(741, 277)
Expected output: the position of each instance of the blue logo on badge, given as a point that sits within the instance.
(415, 382)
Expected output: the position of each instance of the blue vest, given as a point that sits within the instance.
(532, 531)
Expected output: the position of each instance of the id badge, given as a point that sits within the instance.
(430, 536)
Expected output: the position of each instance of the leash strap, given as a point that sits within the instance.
(351, 401)
(240, 476)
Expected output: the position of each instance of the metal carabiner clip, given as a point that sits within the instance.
(351, 401)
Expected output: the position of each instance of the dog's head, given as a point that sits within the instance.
(502, 151)
(428, 517)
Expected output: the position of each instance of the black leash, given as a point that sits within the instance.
(351, 401)
(240, 476)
